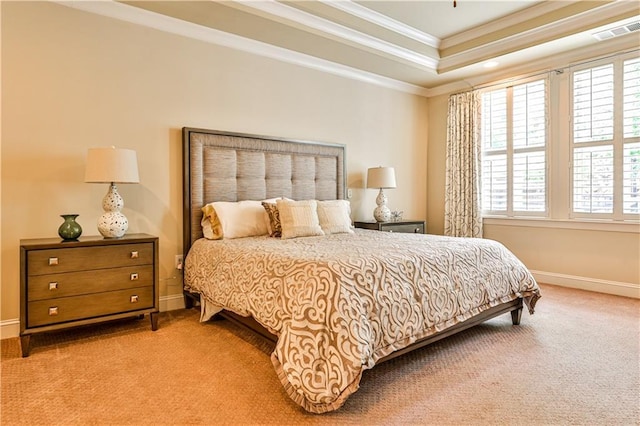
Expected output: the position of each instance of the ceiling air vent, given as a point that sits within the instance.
(617, 31)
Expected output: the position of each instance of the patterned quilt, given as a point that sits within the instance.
(338, 303)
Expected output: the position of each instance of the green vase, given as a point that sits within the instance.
(70, 229)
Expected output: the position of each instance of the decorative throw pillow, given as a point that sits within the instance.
(274, 219)
(236, 219)
(268, 217)
(299, 218)
(335, 216)
(211, 227)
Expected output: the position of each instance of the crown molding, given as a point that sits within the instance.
(614, 46)
(573, 24)
(138, 16)
(506, 22)
(384, 21)
(325, 26)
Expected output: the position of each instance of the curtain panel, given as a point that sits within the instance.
(462, 211)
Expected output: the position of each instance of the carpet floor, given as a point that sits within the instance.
(576, 361)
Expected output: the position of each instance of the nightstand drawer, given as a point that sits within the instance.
(67, 284)
(54, 261)
(45, 312)
(404, 228)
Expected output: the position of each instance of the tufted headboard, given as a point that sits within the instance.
(223, 166)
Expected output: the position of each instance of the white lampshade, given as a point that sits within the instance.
(111, 165)
(381, 177)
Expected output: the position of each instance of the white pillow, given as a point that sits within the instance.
(335, 216)
(237, 219)
(299, 218)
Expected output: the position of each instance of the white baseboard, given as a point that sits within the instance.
(591, 284)
(11, 328)
(172, 302)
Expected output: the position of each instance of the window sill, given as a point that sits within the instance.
(585, 225)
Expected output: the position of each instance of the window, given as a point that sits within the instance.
(605, 140)
(631, 137)
(564, 146)
(514, 141)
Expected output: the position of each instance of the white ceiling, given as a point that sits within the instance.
(441, 19)
(418, 46)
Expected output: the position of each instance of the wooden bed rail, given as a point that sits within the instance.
(514, 307)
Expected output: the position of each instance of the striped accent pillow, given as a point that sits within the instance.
(299, 218)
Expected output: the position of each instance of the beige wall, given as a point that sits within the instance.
(73, 80)
(591, 259)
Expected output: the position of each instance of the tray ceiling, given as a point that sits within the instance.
(421, 46)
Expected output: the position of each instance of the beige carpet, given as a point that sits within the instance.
(576, 361)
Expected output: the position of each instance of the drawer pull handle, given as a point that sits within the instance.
(417, 231)
(53, 311)
(390, 230)
(134, 276)
(53, 261)
(53, 286)
(134, 299)
(134, 255)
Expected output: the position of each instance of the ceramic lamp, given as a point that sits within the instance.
(112, 165)
(382, 178)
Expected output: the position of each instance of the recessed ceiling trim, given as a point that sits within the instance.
(514, 73)
(303, 18)
(384, 21)
(542, 34)
(143, 17)
(506, 22)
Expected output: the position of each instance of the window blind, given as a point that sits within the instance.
(593, 179)
(593, 104)
(606, 160)
(514, 141)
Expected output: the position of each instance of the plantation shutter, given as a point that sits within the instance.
(631, 133)
(529, 145)
(514, 142)
(603, 96)
(593, 173)
(494, 144)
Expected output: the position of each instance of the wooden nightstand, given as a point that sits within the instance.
(405, 226)
(67, 284)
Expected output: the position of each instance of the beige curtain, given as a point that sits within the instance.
(462, 211)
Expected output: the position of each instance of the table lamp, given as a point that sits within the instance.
(383, 178)
(112, 165)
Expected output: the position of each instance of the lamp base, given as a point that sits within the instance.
(113, 225)
(382, 212)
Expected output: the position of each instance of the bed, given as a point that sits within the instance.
(334, 303)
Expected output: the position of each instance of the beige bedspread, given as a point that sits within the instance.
(339, 303)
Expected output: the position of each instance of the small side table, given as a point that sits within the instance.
(88, 281)
(404, 226)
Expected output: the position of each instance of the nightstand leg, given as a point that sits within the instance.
(24, 344)
(154, 320)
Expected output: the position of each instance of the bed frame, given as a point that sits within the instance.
(224, 166)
